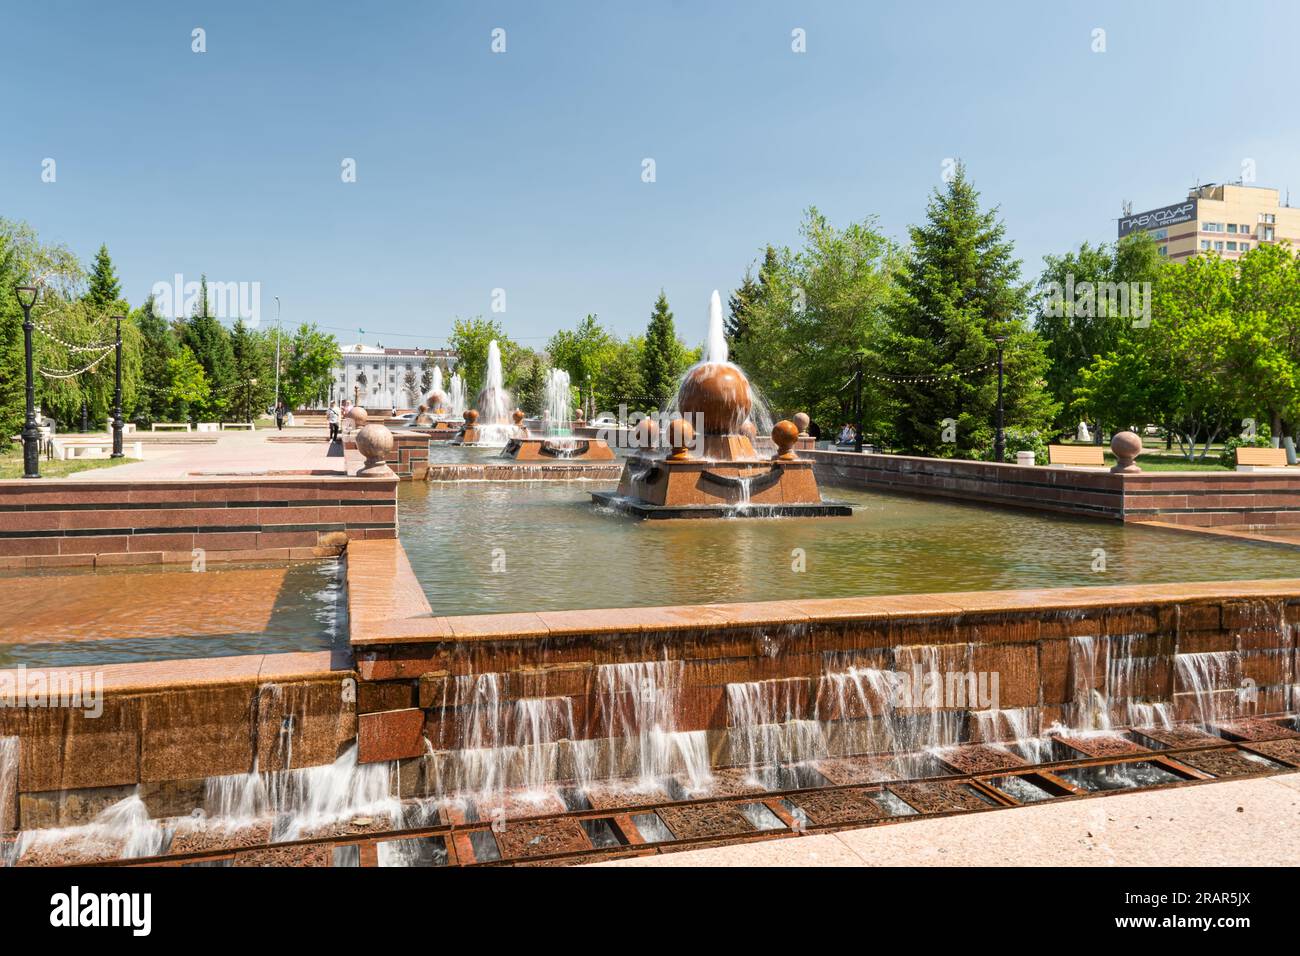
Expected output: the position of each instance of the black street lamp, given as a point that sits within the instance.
(31, 432)
(1000, 441)
(117, 393)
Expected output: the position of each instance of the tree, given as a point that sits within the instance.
(24, 260)
(1088, 302)
(208, 340)
(426, 375)
(189, 383)
(959, 287)
(470, 338)
(821, 309)
(531, 396)
(580, 352)
(104, 289)
(254, 372)
(309, 364)
(158, 346)
(738, 306)
(663, 359)
(619, 377)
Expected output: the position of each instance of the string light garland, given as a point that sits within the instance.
(63, 373)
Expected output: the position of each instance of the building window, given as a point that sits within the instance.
(1163, 250)
(1205, 245)
(1160, 234)
(1266, 234)
(1267, 217)
(1232, 227)
(1211, 227)
(1232, 247)
(1218, 247)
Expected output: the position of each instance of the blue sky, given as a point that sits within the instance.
(522, 170)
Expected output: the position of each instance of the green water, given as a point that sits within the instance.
(554, 550)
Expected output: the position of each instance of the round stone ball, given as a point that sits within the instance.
(801, 421)
(720, 394)
(784, 434)
(374, 441)
(680, 433)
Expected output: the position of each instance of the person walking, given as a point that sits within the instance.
(332, 416)
(279, 417)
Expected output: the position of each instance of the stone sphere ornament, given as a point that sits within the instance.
(375, 442)
(471, 416)
(646, 434)
(358, 415)
(1126, 446)
(802, 421)
(784, 435)
(680, 437)
(749, 430)
(720, 394)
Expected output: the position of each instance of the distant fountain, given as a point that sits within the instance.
(713, 469)
(559, 440)
(436, 400)
(490, 423)
(456, 403)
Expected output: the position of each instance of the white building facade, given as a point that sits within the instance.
(380, 378)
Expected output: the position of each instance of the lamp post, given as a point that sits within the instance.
(277, 354)
(857, 407)
(117, 392)
(31, 433)
(1000, 441)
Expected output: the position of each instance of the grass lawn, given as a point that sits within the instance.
(11, 464)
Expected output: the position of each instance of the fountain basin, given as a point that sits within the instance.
(558, 449)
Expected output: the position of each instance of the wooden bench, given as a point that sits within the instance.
(163, 425)
(1251, 459)
(1076, 456)
(78, 448)
(228, 425)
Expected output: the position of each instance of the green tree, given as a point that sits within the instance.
(959, 287)
(309, 359)
(188, 391)
(470, 338)
(158, 346)
(253, 389)
(580, 352)
(104, 290)
(619, 377)
(821, 309)
(1088, 302)
(738, 306)
(663, 360)
(531, 396)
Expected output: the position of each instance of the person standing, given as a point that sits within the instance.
(279, 417)
(332, 416)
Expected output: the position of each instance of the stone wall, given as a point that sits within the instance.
(408, 661)
(1197, 499)
(57, 523)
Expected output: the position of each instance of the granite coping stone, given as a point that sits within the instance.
(395, 611)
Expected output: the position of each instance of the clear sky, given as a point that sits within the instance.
(522, 170)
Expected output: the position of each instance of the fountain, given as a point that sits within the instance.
(489, 424)
(712, 469)
(559, 441)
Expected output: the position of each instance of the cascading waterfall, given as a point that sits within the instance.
(639, 707)
(8, 782)
(1107, 681)
(767, 728)
(497, 745)
(1206, 675)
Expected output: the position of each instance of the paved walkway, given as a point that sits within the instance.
(235, 453)
(1230, 823)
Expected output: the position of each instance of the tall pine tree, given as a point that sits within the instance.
(960, 286)
(663, 359)
(103, 288)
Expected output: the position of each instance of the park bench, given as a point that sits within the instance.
(1076, 456)
(1253, 459)
(157, 426)
(228, 425)
(208, 427)
(69, 449)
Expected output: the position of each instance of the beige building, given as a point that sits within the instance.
(1221, 218)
